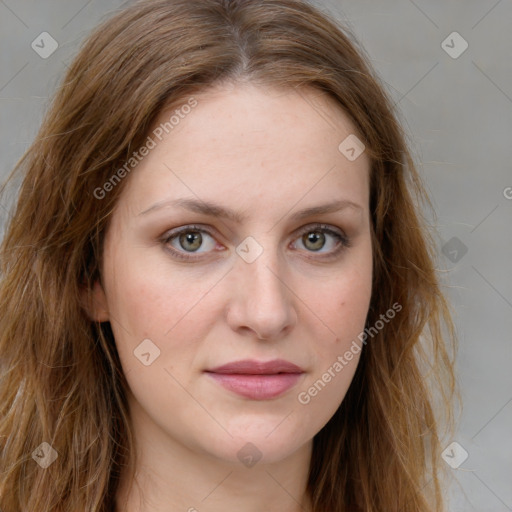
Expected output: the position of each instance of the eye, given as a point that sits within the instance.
(190, 239)
(319, 237)
(187, 241)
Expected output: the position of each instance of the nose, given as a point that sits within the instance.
(262, 302)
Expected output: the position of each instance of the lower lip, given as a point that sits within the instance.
(257, 387)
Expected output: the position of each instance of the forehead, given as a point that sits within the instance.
(249, 146)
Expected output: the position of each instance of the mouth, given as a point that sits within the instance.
(257, 380)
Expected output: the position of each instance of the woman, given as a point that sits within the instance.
(217, 292)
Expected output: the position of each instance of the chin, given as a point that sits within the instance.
(259, 440)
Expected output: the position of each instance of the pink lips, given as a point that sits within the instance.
(257, 380)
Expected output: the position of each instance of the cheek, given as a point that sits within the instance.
(342, 307)
(342, 301)
(148, 301)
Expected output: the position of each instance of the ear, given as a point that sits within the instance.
(94, 301)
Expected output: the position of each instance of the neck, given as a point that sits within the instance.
(171, 477)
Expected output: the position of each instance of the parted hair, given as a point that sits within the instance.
(61, 380)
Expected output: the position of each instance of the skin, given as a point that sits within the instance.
(266, 153)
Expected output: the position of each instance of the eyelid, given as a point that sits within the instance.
(187, 227)
(173, 233)
(325, 228)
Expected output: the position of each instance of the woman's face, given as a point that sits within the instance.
(237, 272)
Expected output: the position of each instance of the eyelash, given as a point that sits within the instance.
(344, 241)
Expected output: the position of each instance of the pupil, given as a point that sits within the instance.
(317, 239)
(192, 238)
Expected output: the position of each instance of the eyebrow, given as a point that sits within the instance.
(215, 210)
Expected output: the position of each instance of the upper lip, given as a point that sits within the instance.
(254, 367)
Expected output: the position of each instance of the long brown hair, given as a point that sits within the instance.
(62, 381)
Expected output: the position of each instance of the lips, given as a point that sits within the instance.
(257, 380)
(252, 367)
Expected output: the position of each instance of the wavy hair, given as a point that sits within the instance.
(62, 381)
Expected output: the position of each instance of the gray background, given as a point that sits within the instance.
(458, 112)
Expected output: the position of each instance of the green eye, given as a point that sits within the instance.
(190, 240)
(321, 239)
(314, 240)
